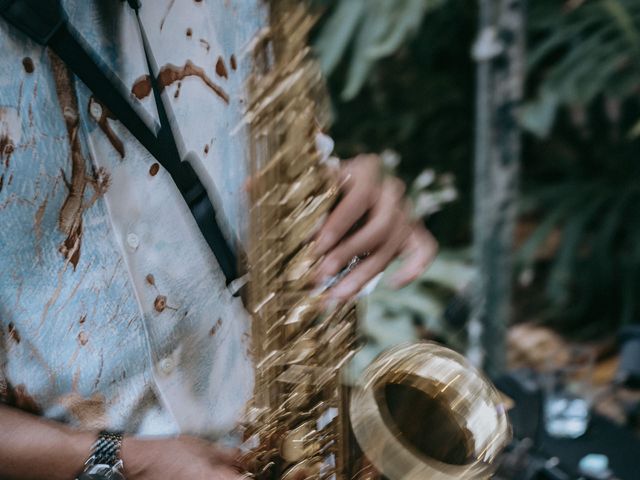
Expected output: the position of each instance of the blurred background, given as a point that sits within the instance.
(516, 126)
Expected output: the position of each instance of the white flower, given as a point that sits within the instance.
(426, 204)
(425, 179)
(390, 159)
(448, 194)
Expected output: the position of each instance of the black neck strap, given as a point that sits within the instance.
(45, 22)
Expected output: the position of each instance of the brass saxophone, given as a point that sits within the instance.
(302, 419)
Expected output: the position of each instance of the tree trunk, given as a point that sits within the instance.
(499, 53)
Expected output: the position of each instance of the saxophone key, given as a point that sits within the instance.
(300, 443)
(309, 469)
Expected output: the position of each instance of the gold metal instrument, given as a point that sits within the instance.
(419, 411)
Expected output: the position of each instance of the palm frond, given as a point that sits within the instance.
(585, 52)
(365, 32)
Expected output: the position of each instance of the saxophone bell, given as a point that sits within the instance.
(422, 411)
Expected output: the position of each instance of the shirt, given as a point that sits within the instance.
(113, 311)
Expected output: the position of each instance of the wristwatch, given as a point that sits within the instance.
(104, 462)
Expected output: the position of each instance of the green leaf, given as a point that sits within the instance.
(338, 32)
(624, 20)
(561, 33)
(634, 132)
(538, 116)
(603, 245)
(361, 63)
(592, 49)
(409, 19)
(566, 206)
(372, 29)
(572, 238)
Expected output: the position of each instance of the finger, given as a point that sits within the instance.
(370, 267)
(384, 218)
(362, 190)
(227, 456)
(418, 253)
(349, 210)
(227, 474)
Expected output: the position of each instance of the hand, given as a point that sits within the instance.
(181, 457)
(388, 231)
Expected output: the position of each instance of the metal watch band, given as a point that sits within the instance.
(106, 449)
(104, 462)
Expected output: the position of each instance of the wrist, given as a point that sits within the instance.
(78, 448)
(33, 447)
(131, 456)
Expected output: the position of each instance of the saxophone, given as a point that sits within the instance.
(302, 420)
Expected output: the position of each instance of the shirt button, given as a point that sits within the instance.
(95, 109)
(133, 241)
(166, 366)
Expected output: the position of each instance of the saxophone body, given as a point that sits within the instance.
(302, 420)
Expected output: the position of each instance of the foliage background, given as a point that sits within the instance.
(402, 78)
